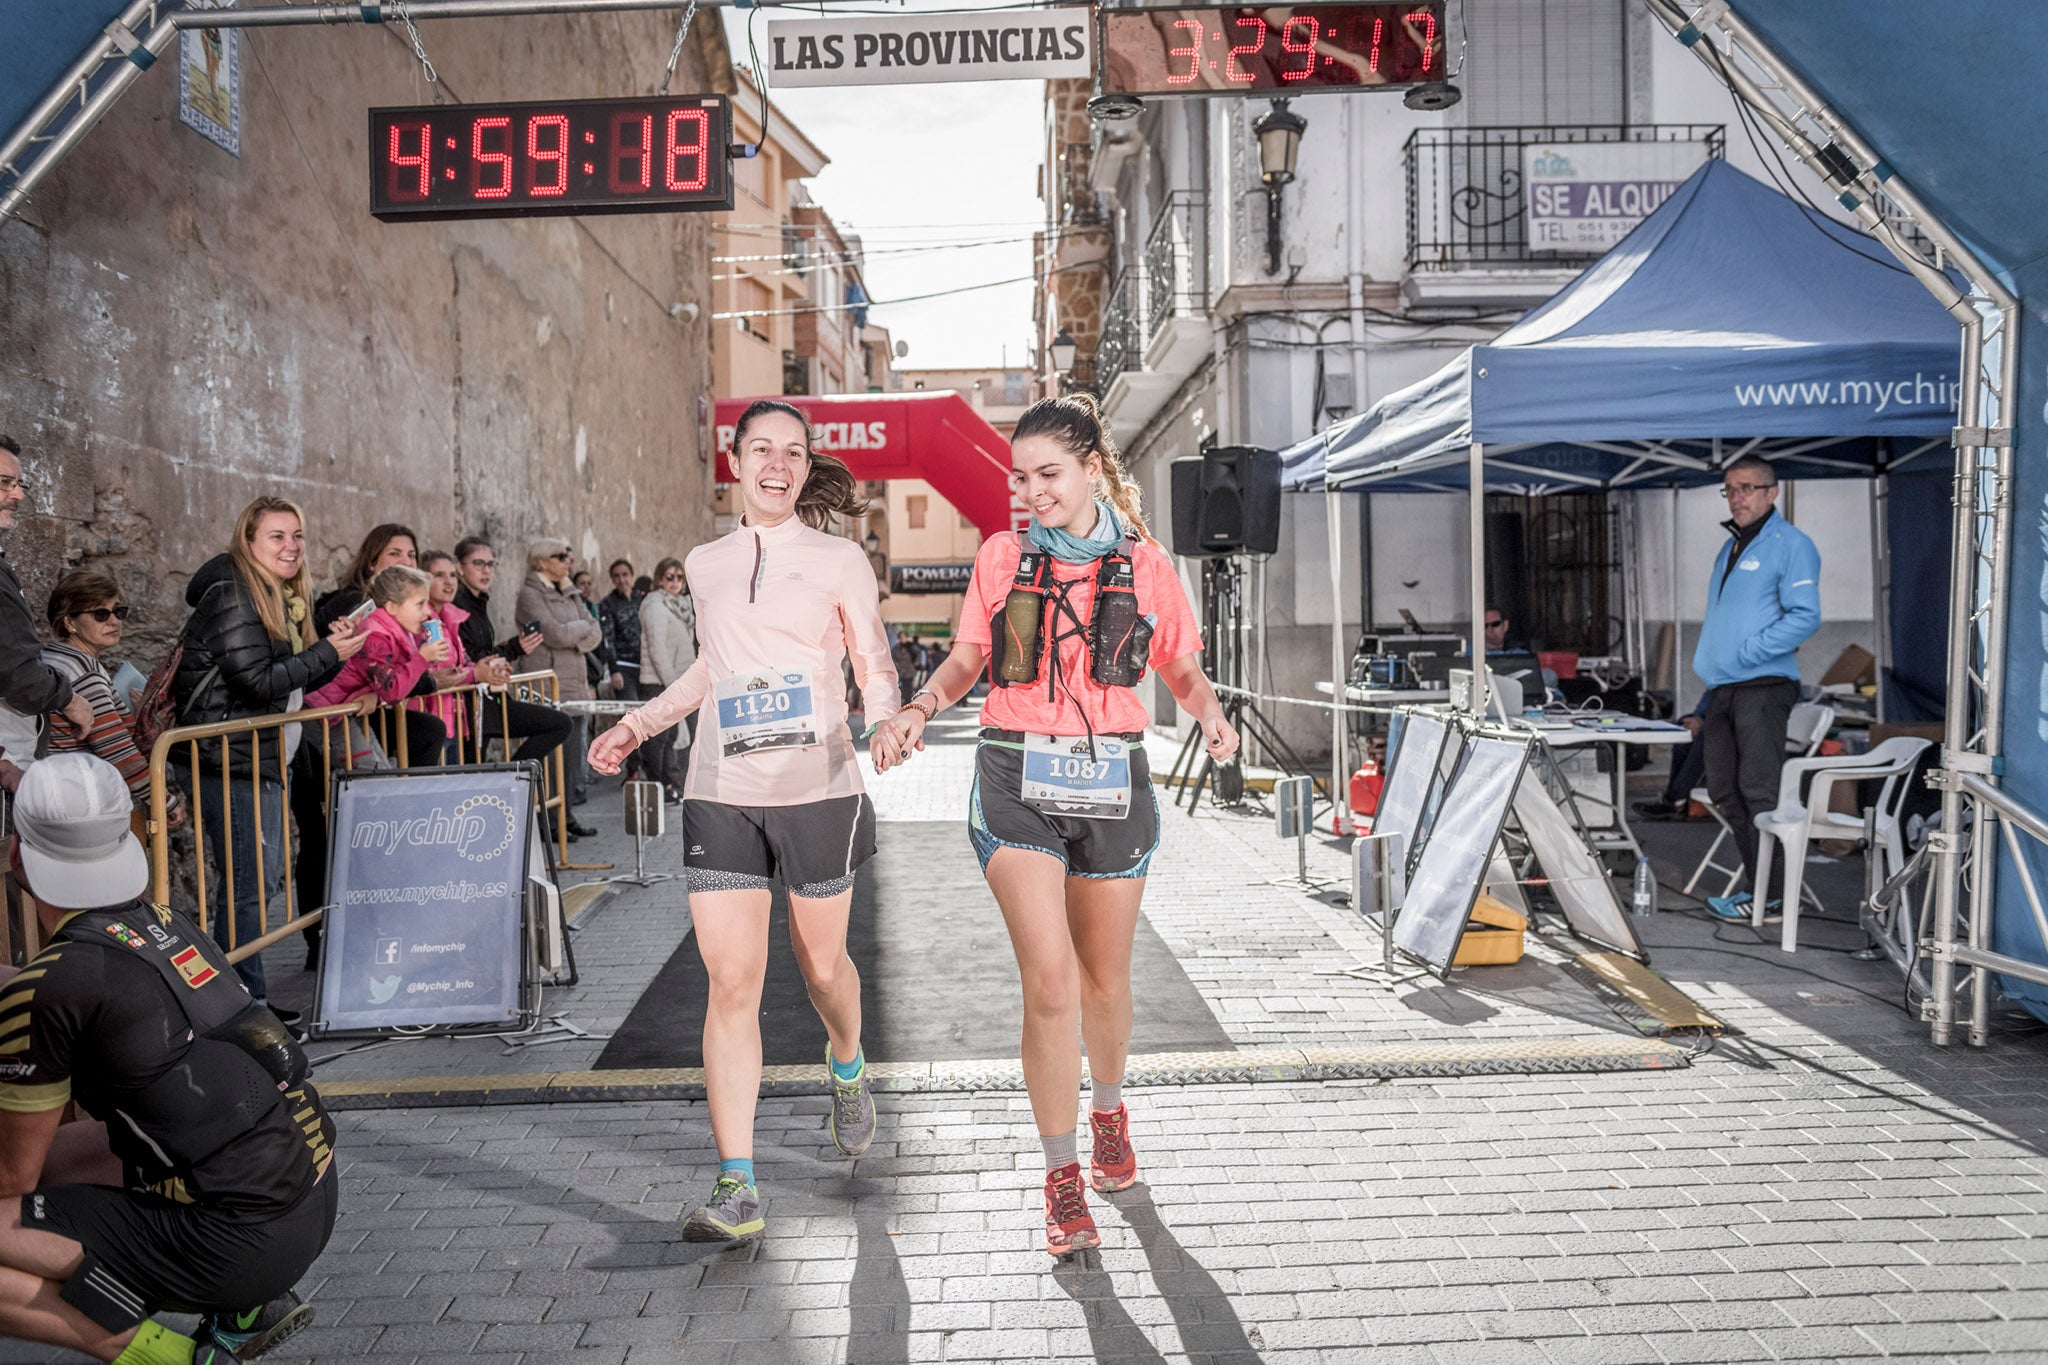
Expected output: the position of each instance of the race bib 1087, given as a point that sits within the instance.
(1064, 775)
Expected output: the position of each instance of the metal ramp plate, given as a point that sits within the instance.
(1248, 1066)
(1645, 992)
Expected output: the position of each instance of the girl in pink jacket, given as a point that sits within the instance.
(393, 657)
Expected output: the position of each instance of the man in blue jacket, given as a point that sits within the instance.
(1763, 601)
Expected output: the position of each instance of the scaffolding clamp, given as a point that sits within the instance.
(1999, 437)
(132, 47)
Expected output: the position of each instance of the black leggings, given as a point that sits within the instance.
(540, 729)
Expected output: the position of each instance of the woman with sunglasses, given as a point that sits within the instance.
(85, 615)
(775, 789)
(668, 646)
(568, 632)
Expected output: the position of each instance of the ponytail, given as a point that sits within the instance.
(1074, 423)
(829, 488)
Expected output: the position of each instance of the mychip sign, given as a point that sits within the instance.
(901, 49)
(427, 876)
(1583, 197)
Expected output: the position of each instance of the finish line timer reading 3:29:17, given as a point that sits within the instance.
(1278, 49)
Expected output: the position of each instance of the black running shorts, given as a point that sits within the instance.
(145, 1254)
(999, 817)
(812, 849)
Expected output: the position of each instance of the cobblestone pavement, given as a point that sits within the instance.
(1822, 1186)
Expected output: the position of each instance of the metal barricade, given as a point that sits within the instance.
(327, 727)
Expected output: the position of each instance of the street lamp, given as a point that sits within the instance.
(1279, 131)
(1064, 350)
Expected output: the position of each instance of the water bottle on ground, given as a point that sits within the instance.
(1643, 899)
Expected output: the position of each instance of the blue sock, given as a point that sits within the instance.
(848, 1071)
(741, 1166)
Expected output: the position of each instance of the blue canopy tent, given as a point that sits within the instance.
(1731, 322)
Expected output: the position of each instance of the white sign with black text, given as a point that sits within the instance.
(900, 49)
(1583, 197)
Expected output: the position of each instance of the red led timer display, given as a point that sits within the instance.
(564, 157)
(1279, 48)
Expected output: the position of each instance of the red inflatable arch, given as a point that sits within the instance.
(937, 437)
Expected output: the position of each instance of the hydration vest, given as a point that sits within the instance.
(241, 1060)
(1119, 635)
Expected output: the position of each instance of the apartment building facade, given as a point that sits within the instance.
(1402, 239)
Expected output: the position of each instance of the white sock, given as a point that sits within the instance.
(1105, 1096)
(1059, 1151)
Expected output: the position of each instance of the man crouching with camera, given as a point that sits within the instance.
(226, 1153)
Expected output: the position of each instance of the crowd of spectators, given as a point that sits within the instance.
(404, 628)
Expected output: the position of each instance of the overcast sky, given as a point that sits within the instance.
(915, 169)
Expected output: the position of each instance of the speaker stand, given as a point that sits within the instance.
(1222, 585)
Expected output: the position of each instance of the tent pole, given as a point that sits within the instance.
(1333, 516)
(1477, 507)
(1881, 581)
(1677, 632)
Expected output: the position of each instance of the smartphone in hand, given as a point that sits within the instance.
(531, 627)
(361, 613)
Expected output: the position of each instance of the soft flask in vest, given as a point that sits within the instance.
(1022, 619)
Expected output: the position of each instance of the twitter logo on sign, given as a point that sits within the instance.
(383, 988)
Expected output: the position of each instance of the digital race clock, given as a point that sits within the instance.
(645, 155)
(1277, 49)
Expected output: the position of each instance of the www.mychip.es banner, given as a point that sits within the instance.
(898, 49)
(426, 884)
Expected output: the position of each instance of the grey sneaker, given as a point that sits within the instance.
(245, 1336)
(852, 1119)
(733, 1213)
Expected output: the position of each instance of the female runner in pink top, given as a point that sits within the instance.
(1062, 813)
(774, 789)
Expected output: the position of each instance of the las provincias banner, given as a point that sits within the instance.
(901, 49)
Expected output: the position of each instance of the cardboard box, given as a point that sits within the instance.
(1855, 666)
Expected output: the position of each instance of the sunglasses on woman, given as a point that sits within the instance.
(106, 614)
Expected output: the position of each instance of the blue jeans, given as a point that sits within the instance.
(246, 822)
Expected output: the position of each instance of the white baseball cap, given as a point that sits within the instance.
(71, 813)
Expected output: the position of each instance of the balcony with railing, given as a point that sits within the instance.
(1468, 205)
(1121, 349)
(1175, 262)
(1080, 203)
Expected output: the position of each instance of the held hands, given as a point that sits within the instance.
(897, 738)
(342, 635)
(1220, 736)
(608, 751)
(493, 671)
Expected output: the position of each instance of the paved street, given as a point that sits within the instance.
(1822, 1186)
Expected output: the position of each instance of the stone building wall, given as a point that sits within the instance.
(182, 330)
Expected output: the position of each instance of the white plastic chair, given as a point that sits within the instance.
(1805, 728)
(1794, 822)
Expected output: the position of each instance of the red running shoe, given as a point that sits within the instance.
(1114, 1166)
(1068, 1228)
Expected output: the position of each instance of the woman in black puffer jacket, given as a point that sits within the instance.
(250, 650)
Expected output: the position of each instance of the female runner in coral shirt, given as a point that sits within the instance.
(1062, 814)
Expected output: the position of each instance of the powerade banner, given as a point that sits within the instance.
(914, 578)
(427, 883)
(902, 49)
